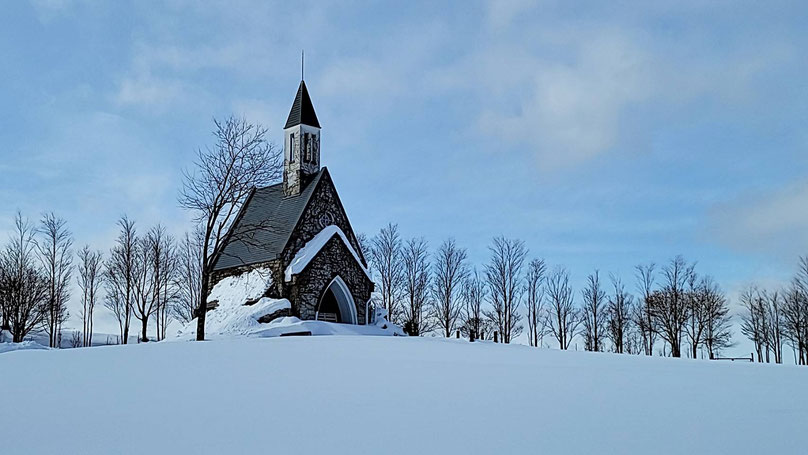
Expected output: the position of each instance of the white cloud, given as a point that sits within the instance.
(774, 222)
(570, 111)
(502, 12)
(145, 90)
(47, 10)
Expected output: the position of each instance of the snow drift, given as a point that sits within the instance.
(392, 395)
(8, 346)
(236, 290)
(239, 310)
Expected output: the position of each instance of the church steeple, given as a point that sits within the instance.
(302, 110)
(301, 143)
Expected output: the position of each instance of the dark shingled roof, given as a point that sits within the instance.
(302, 109)
(266, 205)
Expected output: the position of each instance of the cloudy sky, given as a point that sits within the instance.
(603, 134)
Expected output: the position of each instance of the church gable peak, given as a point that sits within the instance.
(322, 209)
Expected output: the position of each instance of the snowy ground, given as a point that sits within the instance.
(346, 394)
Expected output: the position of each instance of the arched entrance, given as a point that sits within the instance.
(337, 304)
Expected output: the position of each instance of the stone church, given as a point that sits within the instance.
(305, 239)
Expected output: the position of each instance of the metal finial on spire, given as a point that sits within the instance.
(302, 62)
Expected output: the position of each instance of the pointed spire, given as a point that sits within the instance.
(302, 110)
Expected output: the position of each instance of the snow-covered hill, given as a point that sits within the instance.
(389, 395)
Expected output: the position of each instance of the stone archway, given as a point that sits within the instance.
(337, 304)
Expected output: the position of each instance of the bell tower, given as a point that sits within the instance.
(301, 143)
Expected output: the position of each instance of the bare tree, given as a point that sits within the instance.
(534, 302)
(698, 314)
(717, 333)
(618, 319)
(188, 280)
(764, 322)
(754, 321)
(226, 174)
(91, 269)
(55, 254)
(475, 291)
(387, 262)
(670, 306)
(120, 274)
(76, 340)
(593, 313)
(795, 319)
(795, 312)
(564, 318)
(23, 287)
(449, 272)
(504, 276)
(642, 316)
(417, 281)
(164, 269)
(364, 243)
(776, 324)
(144, 302)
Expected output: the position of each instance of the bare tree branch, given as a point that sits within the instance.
(225, 174)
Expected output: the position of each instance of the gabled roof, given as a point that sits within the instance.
(302, 110)
(304, 256)
(277, 214)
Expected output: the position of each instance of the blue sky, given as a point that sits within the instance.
(603, 134)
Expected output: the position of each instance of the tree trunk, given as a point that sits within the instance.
(676, 350)
(203, 305)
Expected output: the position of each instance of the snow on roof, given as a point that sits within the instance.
(313, 246)
(237, 289)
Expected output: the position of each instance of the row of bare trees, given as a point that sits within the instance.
(774, 318)
(442, 293)
(683, 308)
(36, 267)
(152, 275)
